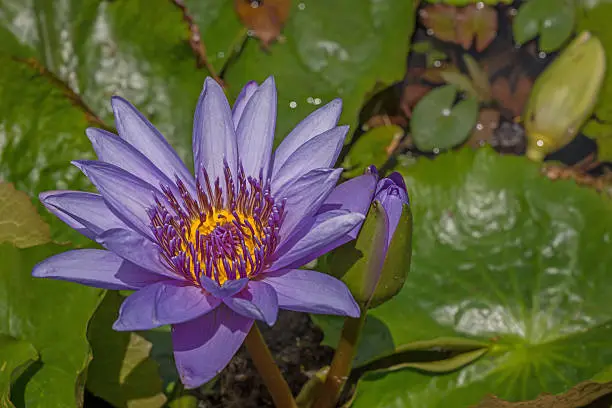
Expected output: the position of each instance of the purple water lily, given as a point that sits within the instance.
(212, 253)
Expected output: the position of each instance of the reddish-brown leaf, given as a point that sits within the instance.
(411, 96)
(512, 98)
(488, 121)
(264, 18)
(476, 23)
(440, 21)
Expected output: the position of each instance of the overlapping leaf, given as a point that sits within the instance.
(331, 49)
(504, 256)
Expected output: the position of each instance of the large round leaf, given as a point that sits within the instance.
(122, 371)
(503, 255)
(40, 317)
(221, 30)
(59, 67)
(335, 49)
(52, 316)
(137, 49)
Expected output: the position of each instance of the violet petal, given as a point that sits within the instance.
(255, 132)
(319, 152)
(204, 346)
(214, 138)
(140, 133)
(94, 267)
(165, 302)
(304, 197)
(314, 124)
(125, 194)
(323, 237)
(241, 101)
(312, 292)
(229, 288)
(87, 213)
(137, 249)
(257, 301)
(114, 150)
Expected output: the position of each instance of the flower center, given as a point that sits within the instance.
(223, 234)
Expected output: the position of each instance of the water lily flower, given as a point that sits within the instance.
(212, 253)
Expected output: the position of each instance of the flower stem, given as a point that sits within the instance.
(267, 368)
(341, 364)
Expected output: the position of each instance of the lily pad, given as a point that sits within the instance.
(122, 371)
(15, 356)
(552, 20)
(504, 256)
(338, 49)
(24, 227)
(59, 66)
(594, 19)
(44, 132)
(371, 149)
(437, 124)
(137, 49)
(220, 29)
(52, 316)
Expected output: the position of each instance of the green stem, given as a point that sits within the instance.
(267, 368)
(341, 364)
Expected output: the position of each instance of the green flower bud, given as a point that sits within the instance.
(375, 265)
(563, 96)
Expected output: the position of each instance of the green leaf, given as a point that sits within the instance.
(553, 20)
(437, 124)
(396, 265)
(338, 49)
(594, 19)
(62, 64)
(222, 32)
(504, 256)
(378, 338)
(15, 356)
(370, 149)
(466, 2)
(122, 370)
(44, 132)
(20, 224)
(52, 316)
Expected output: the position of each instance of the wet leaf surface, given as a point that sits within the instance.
(52, 316)
(122, 370)
(552, 20)
(438, 123)
(371, 149)
(15, 356)
(501, 255)
(24, 228)
(325, 57)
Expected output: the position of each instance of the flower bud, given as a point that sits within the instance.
(563, 96)
(375, 265)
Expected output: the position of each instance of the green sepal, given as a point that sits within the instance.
(373, 275)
